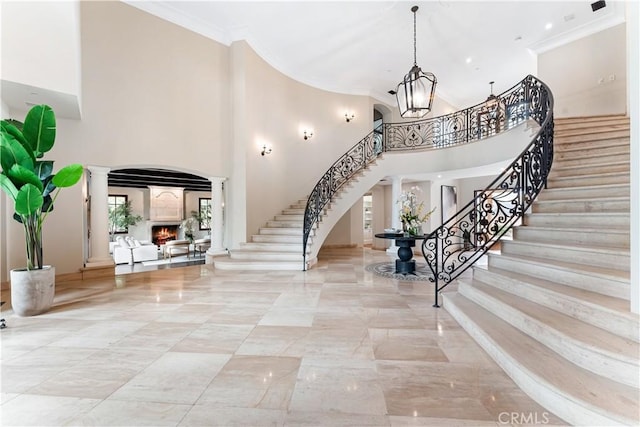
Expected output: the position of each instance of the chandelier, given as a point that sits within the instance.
(416, 91)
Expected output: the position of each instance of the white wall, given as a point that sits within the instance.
(579, 74)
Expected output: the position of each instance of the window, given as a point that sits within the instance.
(115, 202)
(204, 213)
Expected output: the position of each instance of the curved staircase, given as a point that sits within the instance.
(275, 247)
(553, 307)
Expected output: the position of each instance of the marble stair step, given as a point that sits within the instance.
(584, 147)
(602, 280)
(284, 224)
(572, 393)
(592, 129)
(273, 247)
(607, 220)
(596, 136)
(615, 258)
(603, 311)
(265, 255)
(585, 192)
(575, 151)
(594, 169)
(289, 217)
(286, 231)
(592, 348)
(225, 263)
(579, 181)
(573, 236)
(278, 238)
(594, 160)
(581, 122)
(293, 211)
(602, 204)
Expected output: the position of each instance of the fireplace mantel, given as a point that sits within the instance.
(166, 204)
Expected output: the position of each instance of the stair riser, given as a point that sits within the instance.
(295, 211)
(584, 192)
(544, 393)
(602, 136)
(563, 345)
(264, 256)
(258, 266)
(568, 220)
(620, 178)
(576, 279)
(576, 151)
(284, 224)
(593, 160)
(291, 217)
(593, 314)
(272, 247)
(274, 238)
(619, 261)
(586, 125)
(571, 237)
(581, 206)
(585, 148)
(282, 231)
(595, 129)
(558, 171)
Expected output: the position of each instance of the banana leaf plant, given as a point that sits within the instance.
(29, 180)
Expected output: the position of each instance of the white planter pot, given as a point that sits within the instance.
(32, 291)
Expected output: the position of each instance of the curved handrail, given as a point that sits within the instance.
(460, 241)
(480, 121)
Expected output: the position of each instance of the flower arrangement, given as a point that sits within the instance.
(411, 212)
(188, 225)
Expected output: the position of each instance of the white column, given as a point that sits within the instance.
(396, 192)
(217, 225)
(99, 218)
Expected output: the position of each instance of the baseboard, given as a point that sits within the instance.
(96, 272)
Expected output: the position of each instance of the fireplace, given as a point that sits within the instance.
(161, 234)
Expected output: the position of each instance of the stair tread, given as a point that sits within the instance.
(605, 273)
(602, 341)
(577, 229)
(588, 166)
(618, 305)
(586, 188)
(584, 199)
(599, 393)
(603, 249)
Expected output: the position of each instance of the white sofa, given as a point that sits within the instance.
(128, 250)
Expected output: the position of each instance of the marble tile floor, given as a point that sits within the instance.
(192, 346)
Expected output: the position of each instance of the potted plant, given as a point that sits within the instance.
(29, 181)
(122, 217)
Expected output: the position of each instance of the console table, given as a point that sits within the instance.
(405, 264)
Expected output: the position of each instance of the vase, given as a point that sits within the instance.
(32, 291)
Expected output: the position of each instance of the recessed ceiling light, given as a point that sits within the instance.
(518, 38)
(468, 60)
(569, 17)
(439, 176)
(548, 26)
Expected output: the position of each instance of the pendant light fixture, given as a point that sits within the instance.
(492, 101)
(416, 91)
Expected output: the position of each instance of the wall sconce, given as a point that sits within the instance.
(348, 117)
(307, 135)
(266, 150)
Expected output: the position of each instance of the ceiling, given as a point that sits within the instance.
(142, 178)
(366, 47)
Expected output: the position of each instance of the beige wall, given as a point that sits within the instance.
(580, 74)
(41, 36)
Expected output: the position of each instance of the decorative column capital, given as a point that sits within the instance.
(98, 170)
(217, 179)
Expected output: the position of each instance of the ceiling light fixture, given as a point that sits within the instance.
(348, 117)
(266, 150)
(416, 91)
(307, 135)
(492, 100)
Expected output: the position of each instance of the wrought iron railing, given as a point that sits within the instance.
(483, 120)
(461, 240)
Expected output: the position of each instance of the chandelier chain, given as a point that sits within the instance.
(415, 61)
